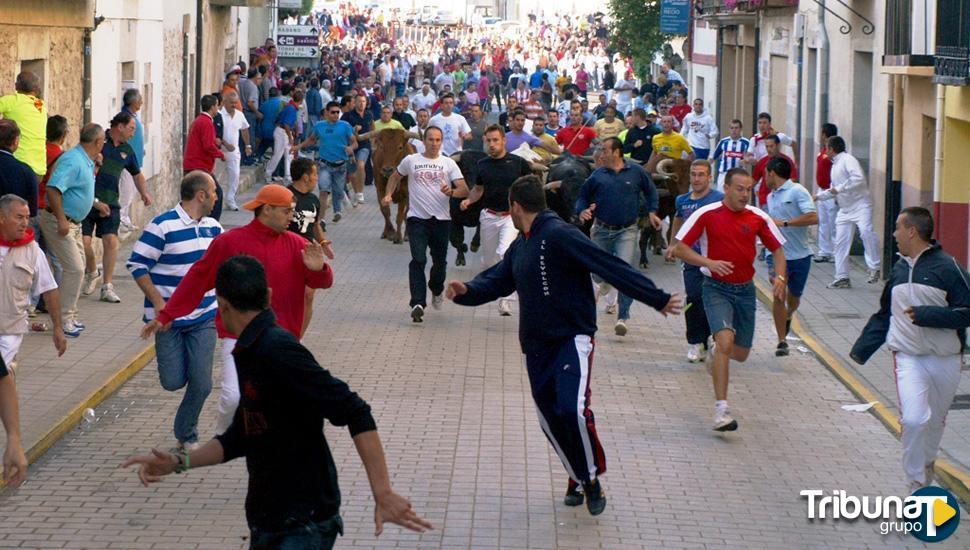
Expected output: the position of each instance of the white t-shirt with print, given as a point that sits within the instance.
(453, 126)
(425, 178)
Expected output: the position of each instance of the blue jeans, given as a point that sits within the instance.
(333, 180)
(305, 535)
(184, 355)
(621, 243)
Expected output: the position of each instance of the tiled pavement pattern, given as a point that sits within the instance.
(453, 408)
(836, 318)
(49, 387)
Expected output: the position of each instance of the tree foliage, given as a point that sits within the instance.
(635, 30)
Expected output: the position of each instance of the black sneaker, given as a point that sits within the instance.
(574, 495)
(596, 498)
(417, 313)
(782, 349)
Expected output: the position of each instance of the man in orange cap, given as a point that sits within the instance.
(292, 263)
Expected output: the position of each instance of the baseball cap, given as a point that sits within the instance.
(272, 195)
(652, 113)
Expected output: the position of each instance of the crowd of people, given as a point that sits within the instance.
(523, 101)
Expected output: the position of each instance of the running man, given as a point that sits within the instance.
(699, 196)
(549, 265)
(924, 325)
(792, 209)
(727, 232)
(730, 152)
(432, 179)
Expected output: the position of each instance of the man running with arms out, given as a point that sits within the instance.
(793, 210)
(335, 144)
(307, 219)
(727, 232)
(549, 265)
(432, 179)
(496, 174)
(699, 196)
(293, 499)
(923, 316)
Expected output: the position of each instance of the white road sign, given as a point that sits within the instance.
(297, 41)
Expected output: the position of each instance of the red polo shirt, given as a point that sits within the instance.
(584, 138)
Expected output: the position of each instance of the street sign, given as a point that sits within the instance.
(290, 4)
(674, 16)
(297, 41)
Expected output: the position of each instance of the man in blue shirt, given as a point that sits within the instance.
(335, 145)
(283, 136)
(70, 194)
(791, 207)
(270, 109)
(700, 195)
(611, 197)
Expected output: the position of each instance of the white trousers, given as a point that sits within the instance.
(926, 385)
(497, 234)
(281, 150)
(232, 167)
(126, 194)
(229, 395)
(845, 224)
(827, 211)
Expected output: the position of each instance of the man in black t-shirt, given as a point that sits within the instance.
(496, 174)
(503, 119)
(306, 218)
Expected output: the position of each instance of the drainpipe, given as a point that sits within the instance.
(757, 73)
(198, 55)
(720, 72)
(821, 76)
(86, 76)
(938, 165)
(186, 25)
(799, 24)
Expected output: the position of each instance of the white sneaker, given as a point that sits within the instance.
(873, 276)
(695, 353)
(437, 300)
(505, 307)
(360, 198)
(620, 328)
(90, 282)
(611, 309)
(723, 421)
(108, 294)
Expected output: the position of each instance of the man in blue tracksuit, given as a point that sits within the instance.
(549, 264)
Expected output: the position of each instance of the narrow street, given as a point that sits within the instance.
(454, 410)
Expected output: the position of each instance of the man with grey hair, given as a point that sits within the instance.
(133, 102)
(233, 122)
(70, 196)
(28, 110)
(19, 249)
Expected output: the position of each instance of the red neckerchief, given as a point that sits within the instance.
(25, 240)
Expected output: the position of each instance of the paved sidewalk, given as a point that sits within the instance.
(836, 318)
(51, 387)
(453, 406)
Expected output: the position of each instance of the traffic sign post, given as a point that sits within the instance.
(297, 41)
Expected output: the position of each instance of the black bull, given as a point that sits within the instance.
(570, 170)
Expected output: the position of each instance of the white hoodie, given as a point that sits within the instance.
(700, 129)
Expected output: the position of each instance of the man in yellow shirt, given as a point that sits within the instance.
(548, 142)
(669, 144)
(608, 126)
(30, 113)
(386, 122)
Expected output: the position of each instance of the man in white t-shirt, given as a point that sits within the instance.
(623, 93)
(18, 249)
(433, 179)
(453, 125)
(758, 149)
(233, 121)
(425, 99)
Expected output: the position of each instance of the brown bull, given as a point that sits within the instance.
(672, 179)
(390, 148)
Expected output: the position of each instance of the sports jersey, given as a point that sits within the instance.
(672, 146)
(731, 153)
(686, 206)
(730, 236)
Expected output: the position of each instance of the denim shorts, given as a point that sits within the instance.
(332, 179)
(797, 273)
(730, 306)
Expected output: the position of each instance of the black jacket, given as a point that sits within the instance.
(284, 398)
(17, 178)
(938, 290)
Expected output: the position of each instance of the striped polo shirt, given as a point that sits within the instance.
(731, 153)
(168, 247)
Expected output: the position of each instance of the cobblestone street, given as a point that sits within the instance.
(453, 408)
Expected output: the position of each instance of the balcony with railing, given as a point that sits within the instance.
(909, 36)
(952, 67)
(738, 11)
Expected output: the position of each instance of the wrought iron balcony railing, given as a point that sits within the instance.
(952, 66)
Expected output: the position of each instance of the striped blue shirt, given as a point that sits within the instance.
(729, 153)
(168, 247)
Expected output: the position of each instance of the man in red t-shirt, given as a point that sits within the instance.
(773, 146)
(727, 231)
(827, 210)
(576, 138)
(680, 109)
